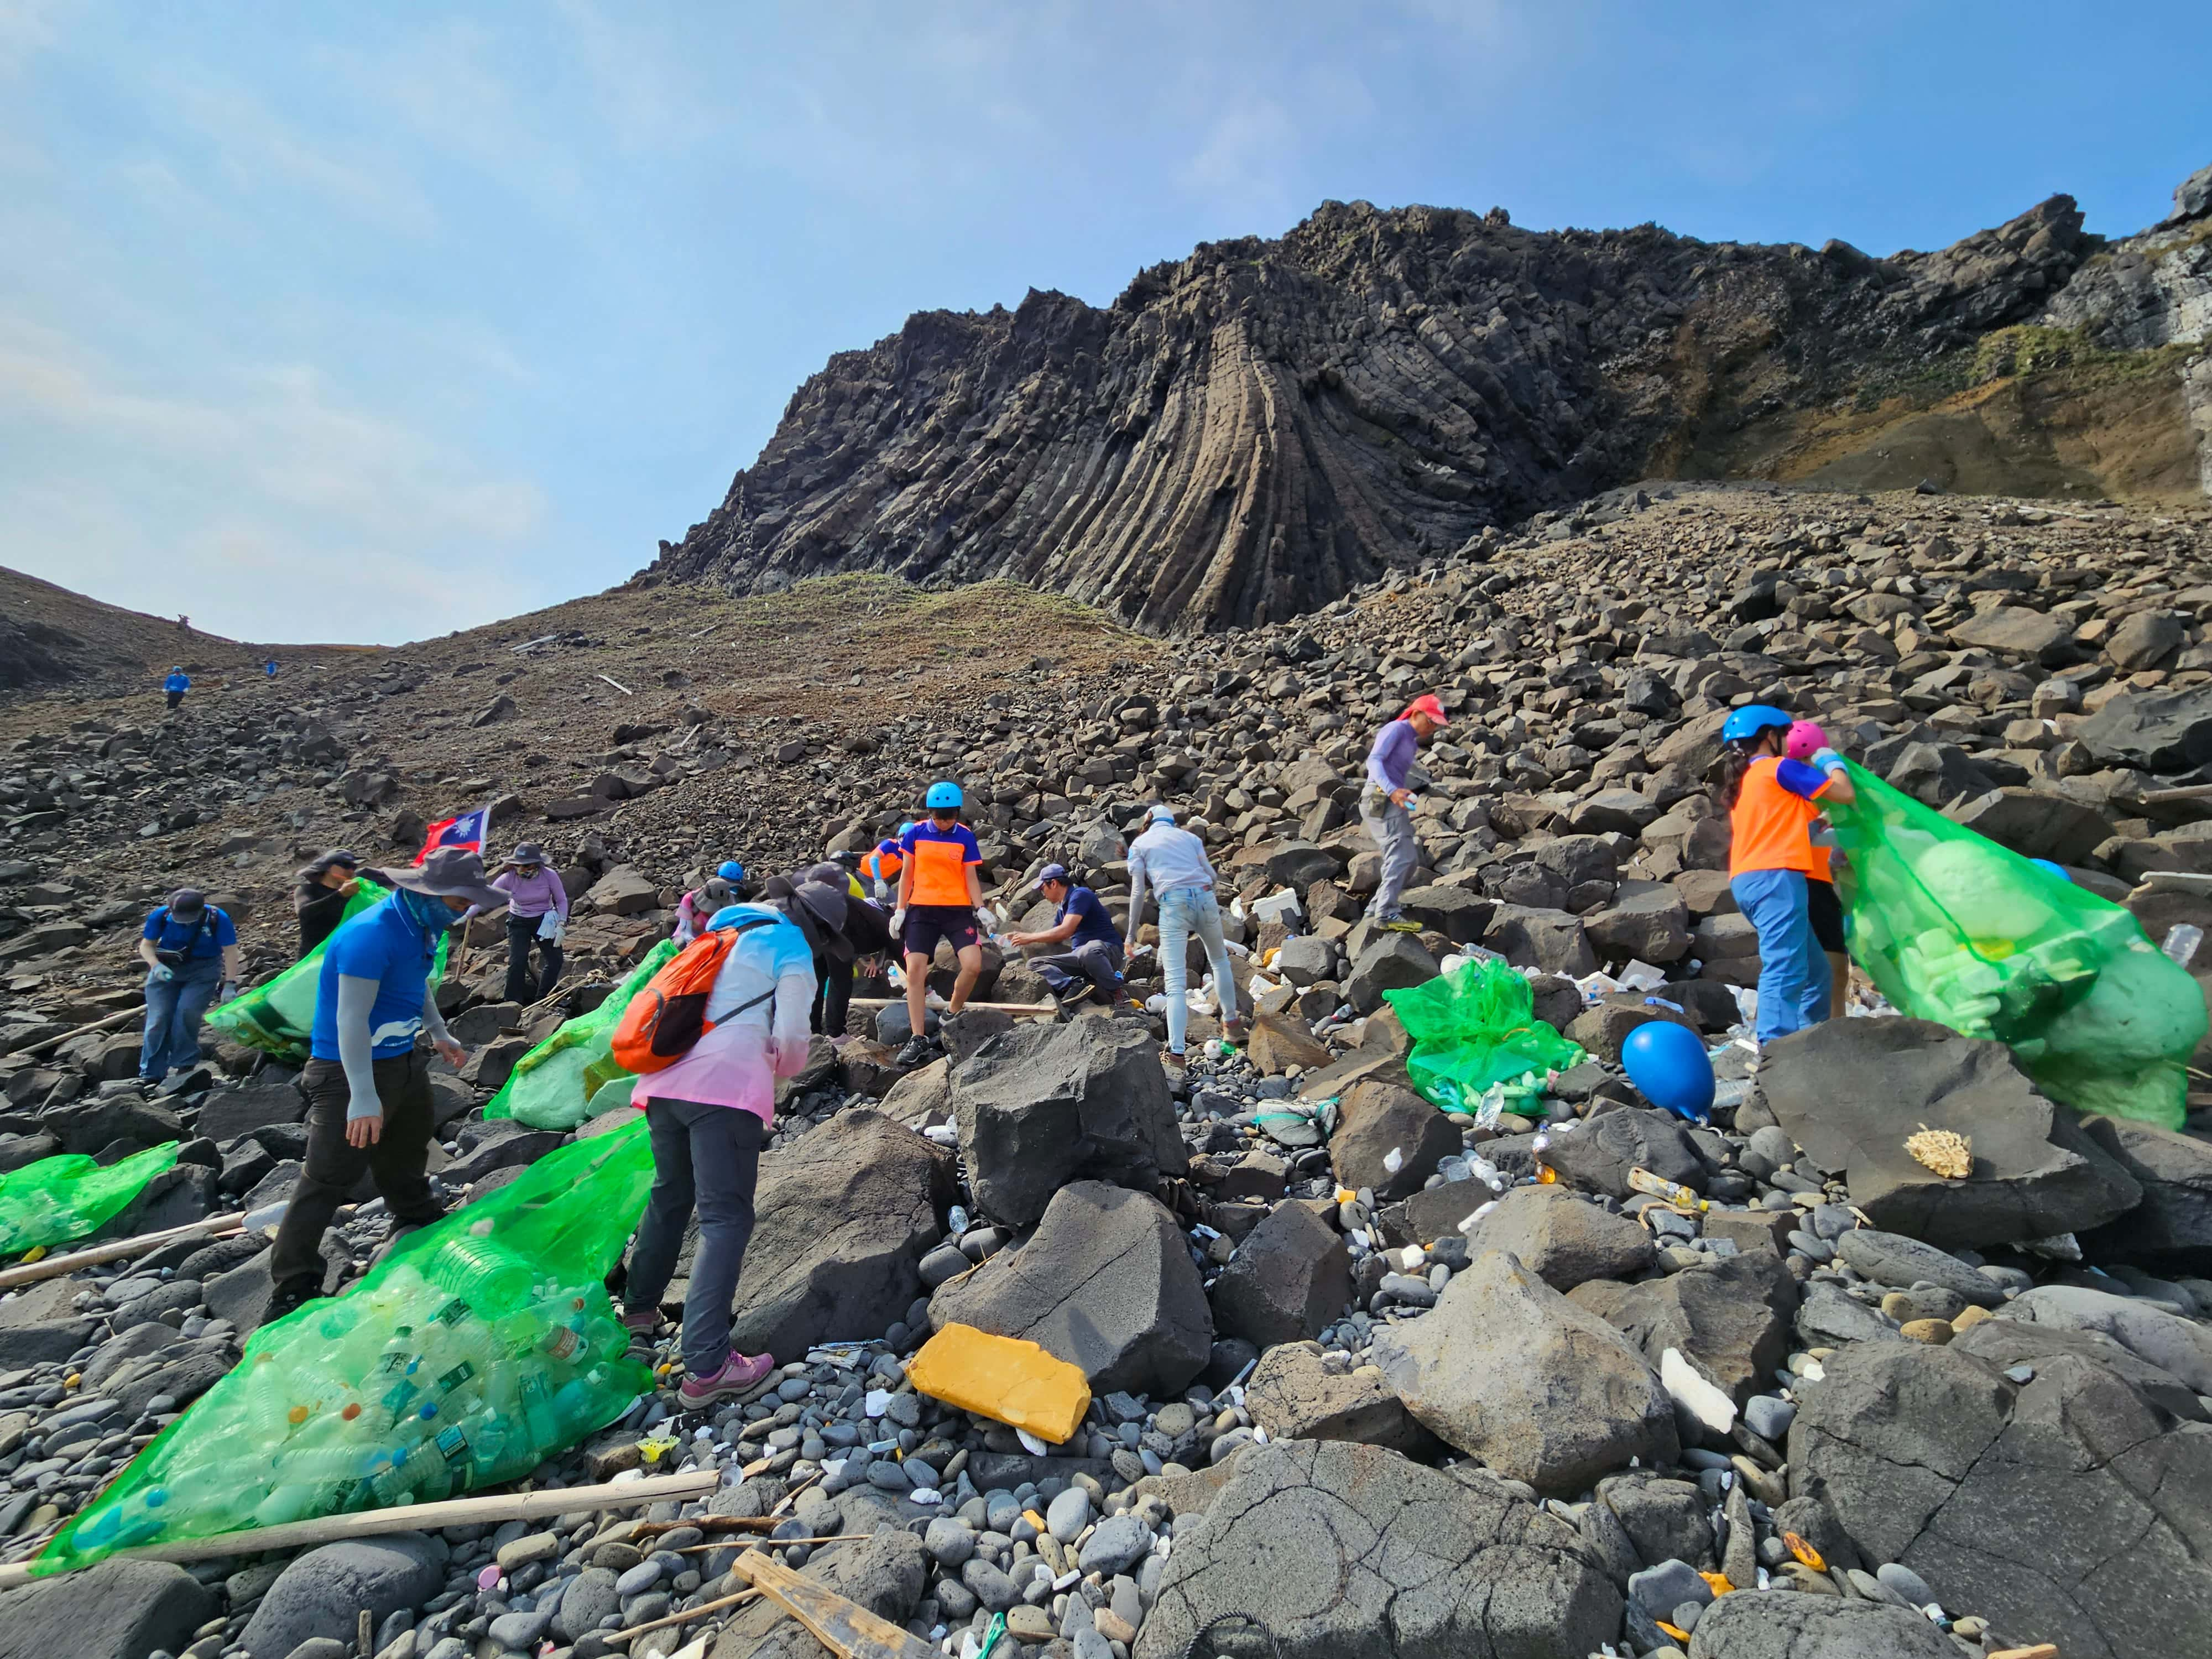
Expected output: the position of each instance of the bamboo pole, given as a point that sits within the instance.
(46, 1045)
(727, 1602)
(994, 1007)
(54, 1267)
(410, 1517)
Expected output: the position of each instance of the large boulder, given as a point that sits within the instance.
(272, 1095)
(1899, 1263)
(41, 1324)
(89, 1125)
(1599, 1153)
(2171, 1229)
(1532, 937)
(1851, 1091)
(842, 1219)
(1044, 1105)
(1389, 961)
(2070, 1509)
(120, 1609)
(1562, 1238)
(1279, 1042)
(1289, 1279)
(1647, 920)
(2181, 1346)
(1105, 1283)
(1378, 1120)
(1815, 1627)
(1352, 1551)
(2157, 731)
(2035, 824)
(1295, 1396)
(1508, 1370)
(324, 1591)
(1729, 1318)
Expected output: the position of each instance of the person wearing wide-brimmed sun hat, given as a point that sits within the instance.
(537, 916)
(368, 1085)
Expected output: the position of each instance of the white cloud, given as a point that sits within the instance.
(257, 147)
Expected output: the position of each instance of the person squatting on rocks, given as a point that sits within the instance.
(190, 948)
(177, 684)
(1174, 862)
(1093, 968)
(842, 929)
(1385, 804)
(1808, 743)
(368, 1085)
(707, 1113)
(1771, 805)
(319, 899)
(537, 915)
(938, 895)
(717, 893)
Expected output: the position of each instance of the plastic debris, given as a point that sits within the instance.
(1950, 1154)
(58, 1201)
(278, 1016)
(477, 1348)
(1474, 1027)
(1954, 929)
(1003, 1378)
(561, 1083)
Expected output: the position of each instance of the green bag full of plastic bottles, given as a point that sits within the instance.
(1954, 929)
(552, 1086)
(479, 1347)
(1474, 1027)
(58, 1200)
(278, 1016)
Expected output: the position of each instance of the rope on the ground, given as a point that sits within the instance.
(1190, 1648)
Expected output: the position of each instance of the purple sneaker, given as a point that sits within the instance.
(740, 1374)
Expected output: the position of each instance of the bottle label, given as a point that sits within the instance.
(562, 1342)
(452, 1313)
(454, 1378)
(453, 1444)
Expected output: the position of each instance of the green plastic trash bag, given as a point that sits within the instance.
(278, 1016)
(1956, 929)
(554, 1084)
(1472, 1027)
(479, 1347)
(57, 1199)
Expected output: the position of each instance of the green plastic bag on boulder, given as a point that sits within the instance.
(552, 1086)
(278, 1016)
(57, 1199)
(1957, 929)
(1472, 1027)
(479, 1347)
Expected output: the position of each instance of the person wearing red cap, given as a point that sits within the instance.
(1385, 804)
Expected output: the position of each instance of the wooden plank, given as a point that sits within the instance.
(846, 1628)
(994, 1007)
(409, 1518)
(54, 1267)
(47, 1045)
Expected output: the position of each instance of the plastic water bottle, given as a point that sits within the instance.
(2182, 940)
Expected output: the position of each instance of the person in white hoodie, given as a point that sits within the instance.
(1174, 862)
(709, 1113)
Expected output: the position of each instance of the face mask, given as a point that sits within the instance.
(426, 913)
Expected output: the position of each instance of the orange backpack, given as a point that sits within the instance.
(667, 1019)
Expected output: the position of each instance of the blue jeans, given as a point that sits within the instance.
(706, 1156)
(1185, 911)
(174, 1008)
(1793, 974)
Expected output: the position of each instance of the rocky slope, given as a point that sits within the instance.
(1976, 1437)
(1253, 431)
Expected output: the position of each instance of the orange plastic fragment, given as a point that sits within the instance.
(1804, 1552)
(1003, 1378)
(1674, 1632)
(1717, 1582)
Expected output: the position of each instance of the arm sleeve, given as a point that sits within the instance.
(1136, 892)
(356, 997)
(433, 1022)
(560, 892)
(794, 1006)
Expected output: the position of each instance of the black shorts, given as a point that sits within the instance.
(1825, 912)
(925, 924)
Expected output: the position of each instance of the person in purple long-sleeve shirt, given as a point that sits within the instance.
(537, 912)
(1383, 804)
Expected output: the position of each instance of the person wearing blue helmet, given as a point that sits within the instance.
(697, 907)
(1771, 801)
(939, 894)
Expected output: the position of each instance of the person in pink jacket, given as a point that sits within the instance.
(709, 1115)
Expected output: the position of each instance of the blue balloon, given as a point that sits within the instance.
(2057, 870)
(1669, 1064)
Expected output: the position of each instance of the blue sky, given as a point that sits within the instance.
(370, 322)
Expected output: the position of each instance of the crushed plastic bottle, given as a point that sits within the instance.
(2181, 942)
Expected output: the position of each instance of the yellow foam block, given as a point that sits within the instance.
(1003, 1378)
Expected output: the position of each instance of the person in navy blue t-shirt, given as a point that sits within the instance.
(1093, 967)
(190, 948)
(366, 1084)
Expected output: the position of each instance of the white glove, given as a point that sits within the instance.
(550, 929)
(898, 924)
(1827, 760)
(163, 972)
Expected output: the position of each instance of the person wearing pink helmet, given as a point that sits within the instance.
(1805, 741)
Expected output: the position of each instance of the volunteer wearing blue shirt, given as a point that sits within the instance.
(1094, 963)
(190, 948)
(176, 685)
(368, 1086)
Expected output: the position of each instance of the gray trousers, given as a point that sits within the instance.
(1094, 960)
(705, 1157)
(1392, 826)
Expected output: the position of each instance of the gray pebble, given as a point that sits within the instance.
(1906, 1582)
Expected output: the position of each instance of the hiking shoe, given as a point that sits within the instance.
(740, 1374)
(1174, 1061)
(290, 1297)
(1401, 925)
(916, 1052)
(1236, 1030)
(640, 1322)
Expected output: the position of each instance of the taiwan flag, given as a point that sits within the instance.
(466, 832)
